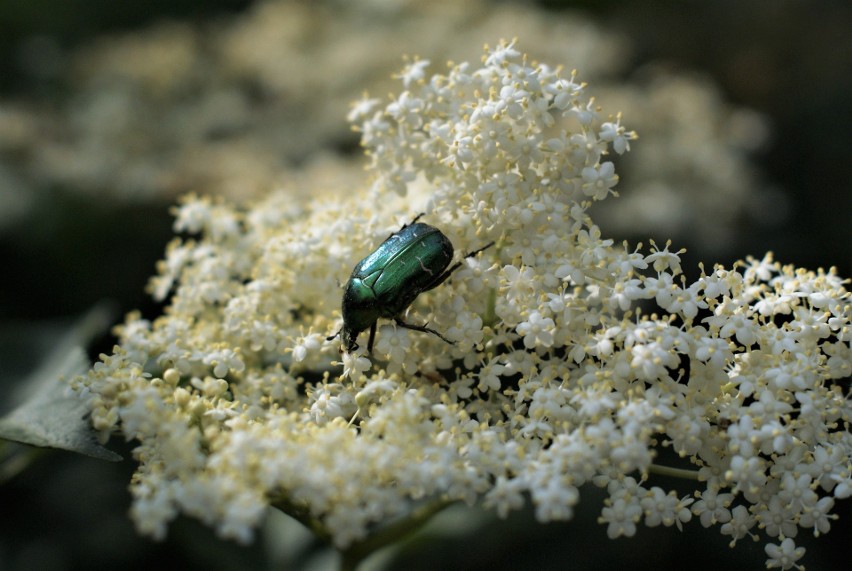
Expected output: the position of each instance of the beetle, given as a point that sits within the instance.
(410, 261)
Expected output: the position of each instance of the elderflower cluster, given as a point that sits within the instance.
(574, 360)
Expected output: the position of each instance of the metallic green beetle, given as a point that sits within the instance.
(382, 285)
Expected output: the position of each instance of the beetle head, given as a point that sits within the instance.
(350, 339)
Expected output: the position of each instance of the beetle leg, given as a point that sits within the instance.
(335, 335)
(421, 328)
(443, 277)
(416, 218)
(372, 338)
(482, 249)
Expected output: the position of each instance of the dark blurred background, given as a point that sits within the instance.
(66, 247)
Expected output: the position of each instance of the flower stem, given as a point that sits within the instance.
(391, 533)
(490, 316)
(673, 472)
(303, 516)
(352, 556)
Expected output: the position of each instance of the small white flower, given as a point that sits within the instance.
(748, 474)
(712, 508)
(501, 54)
(554, 501)
(785, 555)
(740, 524)
(413, 73)
(537, 331)
(393, 341)
(778, 519)
(663, 260)
(506, 495)
(361, 109)
(224, 360)
(615, 134)
(354, 365)
(621, 517)
(327, 406)
(598, 181)
(816, 514)
(666, 509)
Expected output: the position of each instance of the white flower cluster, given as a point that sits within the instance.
(574, 360)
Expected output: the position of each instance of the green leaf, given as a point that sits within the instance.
(38, 407)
